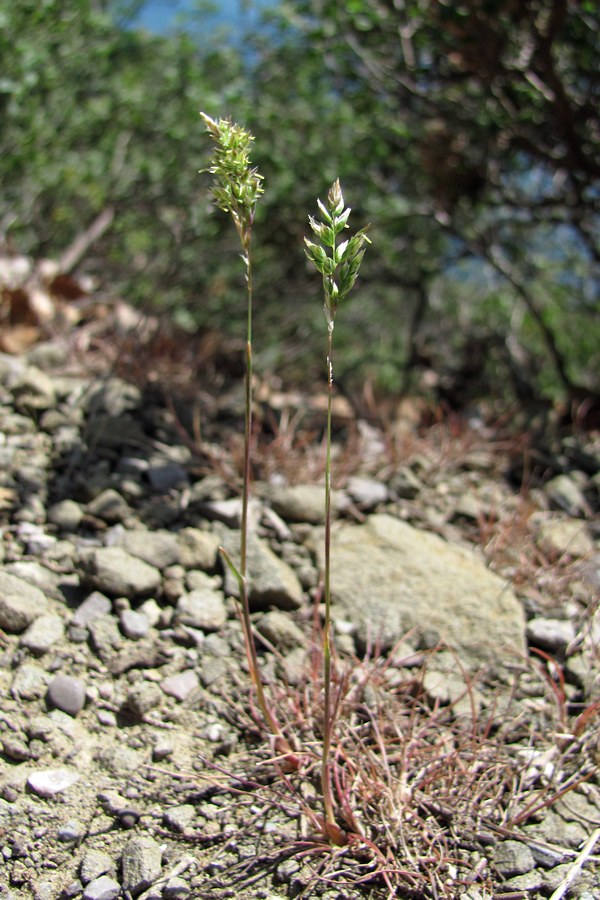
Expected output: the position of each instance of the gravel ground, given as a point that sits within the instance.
(132, 762)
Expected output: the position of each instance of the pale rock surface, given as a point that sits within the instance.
(116, 572)
(389, 578)
(20, 603)
(564, 536)
(272, 581)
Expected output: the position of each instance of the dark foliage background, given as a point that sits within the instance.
(467, 133)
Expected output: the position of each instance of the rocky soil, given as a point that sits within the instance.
(466, 573)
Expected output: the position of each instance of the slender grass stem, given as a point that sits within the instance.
(269, 717)
(327, 673)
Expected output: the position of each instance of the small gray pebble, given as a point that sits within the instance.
(513, 858)
(48, 782)
(94, 864)
(30, 682)
(550, 634)
(70, 831)
(107, 718)
(67, 693)
(181, 685)
(93, 607)
(143, 697)
(134, 625)
(109, 506)
(179, 817)
(141, 863)
(176, 889)
(167, 476)
(44, 890)
(162, 749)
(66, 515)
(103, 888)
(128, 817)
(16, 747)
(43, 633)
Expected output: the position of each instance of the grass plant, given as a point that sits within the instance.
(237, 189)
(414, 790)
(339, 263)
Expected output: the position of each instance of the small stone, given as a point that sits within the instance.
(163, 749)
(16, 747)
(105, 636)
(94, 864)
(203, 609)
(176, 889)
(550, 634)
(48, 782)
(134, 625)
(118, 573)
(158, 548)
(141, 864)
(524, 884)
(120, 759)
(468, 506)
(229, 511)
(280, 630)
(198, 549)
(20, 603)
(34, 390)
(196, 580)
(564, 493)
(513, 858)
(167, 476)
(44, 890)
(366, 492)
(213, 669)
(114, 396)
(302, 502)
(151, 611)
(103, 888)
(43, 633)
(66, 515)
(557, 875)
(73, 830)
(30, 682)
(107, 718)
(71, 891)
(142, 698)
(128, 817)
(36, 574)
(272, 581)
(109, 506)
(180, 686)
(179, 817)
(405, 484)
(564, 537)
(94, 606)
(67, 693)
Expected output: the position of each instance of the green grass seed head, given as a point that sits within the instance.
(238, 185)
(338, 263)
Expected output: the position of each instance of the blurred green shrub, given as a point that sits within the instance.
(476, 164)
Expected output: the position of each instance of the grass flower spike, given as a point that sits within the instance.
(238, 186)
(338, 263)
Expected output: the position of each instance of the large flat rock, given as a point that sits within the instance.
(388, 578)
